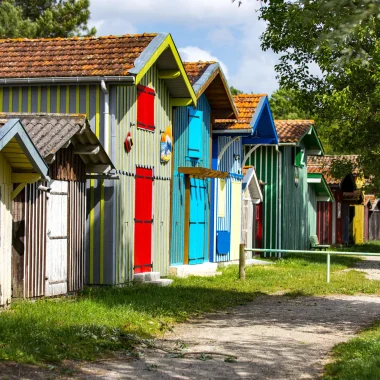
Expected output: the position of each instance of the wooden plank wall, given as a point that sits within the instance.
(374, 225)
(5, 231)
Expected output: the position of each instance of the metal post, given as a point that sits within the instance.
(328, 269)
(242, 262)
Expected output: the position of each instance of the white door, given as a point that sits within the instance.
(235, 220)
(56, 239)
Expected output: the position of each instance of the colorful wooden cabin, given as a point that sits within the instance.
(191, 189)
(253, 127)
(126, 86)
(49, 217)
(374, 220)
(20, 163)
(334, 225)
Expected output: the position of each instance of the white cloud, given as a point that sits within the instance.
(221, 37)
(195, 54)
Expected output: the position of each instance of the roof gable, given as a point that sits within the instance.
(250, 187)
(90, 59)
(254, 119)
(208, 78)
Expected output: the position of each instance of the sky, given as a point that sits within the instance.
(216, 30)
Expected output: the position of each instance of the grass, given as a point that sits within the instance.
(104, 319)
(357, 359)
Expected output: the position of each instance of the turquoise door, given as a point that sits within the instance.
(197, 245)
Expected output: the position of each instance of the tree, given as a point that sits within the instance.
(284, 106)
(345, 94)
(235, 91)
(44, 18)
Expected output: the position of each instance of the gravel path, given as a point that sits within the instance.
(274, 337)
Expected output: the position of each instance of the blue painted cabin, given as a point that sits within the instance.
(254, 126)
(191, 182)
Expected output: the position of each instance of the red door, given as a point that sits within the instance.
(143, 220)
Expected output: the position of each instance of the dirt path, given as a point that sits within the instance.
(274, 337)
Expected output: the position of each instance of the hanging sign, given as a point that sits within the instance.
(128, 143)
(166, 145)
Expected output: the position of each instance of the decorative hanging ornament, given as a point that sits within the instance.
(128, 142)
(166, 145)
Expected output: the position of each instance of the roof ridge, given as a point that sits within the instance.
(248, 95)
(77, 38)
(294, 120)
(200, 61)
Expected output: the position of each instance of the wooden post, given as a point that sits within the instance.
(242, 262)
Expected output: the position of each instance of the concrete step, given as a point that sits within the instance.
(146, 276)
(205, 269)
(161, 282)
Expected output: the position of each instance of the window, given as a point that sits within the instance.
(195, 133)
(300, 157)
(145, 108)
(222, 194)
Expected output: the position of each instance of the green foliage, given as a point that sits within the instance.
(345, 94)
(106, 319)
(235, 91)
(357, 359)
(44, 18)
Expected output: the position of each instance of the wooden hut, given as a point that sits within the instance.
(334, 221)
(49, 217)
(127, 86)
(254, 127)
(300, 190)
(374, 220)
(20, 163)
(192, 173)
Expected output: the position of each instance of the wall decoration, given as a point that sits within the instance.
(166, 145)
(128, 142)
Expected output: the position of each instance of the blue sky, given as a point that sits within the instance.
(202, 30)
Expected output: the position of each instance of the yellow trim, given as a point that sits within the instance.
(77, 100)
(1, 100)
(20, 99)
(169, 74)
(39, 99)
(97, 111)
(101, 231)
(168, 43)
(25, 177)
(181, 102)
(18, 190)
(10, 99)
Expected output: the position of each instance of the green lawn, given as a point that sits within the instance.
(105, 319)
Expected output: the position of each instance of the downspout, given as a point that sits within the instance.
(106, 116)
(279, 192)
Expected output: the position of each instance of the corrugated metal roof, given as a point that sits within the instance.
(246, 105)
(50, 132)
(71, 57)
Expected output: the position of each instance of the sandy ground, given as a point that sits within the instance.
(274, 337)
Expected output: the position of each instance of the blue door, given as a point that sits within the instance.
(198, 243)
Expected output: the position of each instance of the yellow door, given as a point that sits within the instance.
(235, 220)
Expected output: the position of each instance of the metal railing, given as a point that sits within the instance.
(328, 253)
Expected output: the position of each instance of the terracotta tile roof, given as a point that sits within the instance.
(195, 70)
(70, 57)
(291, 131)
(355, 196)
(246, 105)
(371, 198)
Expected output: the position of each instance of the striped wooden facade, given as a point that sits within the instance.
(5, 231)
(110, 204)
(325, 222)
(181, 159)
(228, 219)
(31, 235)
(265, 161)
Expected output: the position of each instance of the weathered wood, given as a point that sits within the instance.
(242, 262)
(202, 172)
(101, 168)
(86, 149)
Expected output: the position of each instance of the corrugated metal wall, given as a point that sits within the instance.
(295, 204)
(5, 231)
(89, 100)
(146, 153)
(265, 161)
(181, 142)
